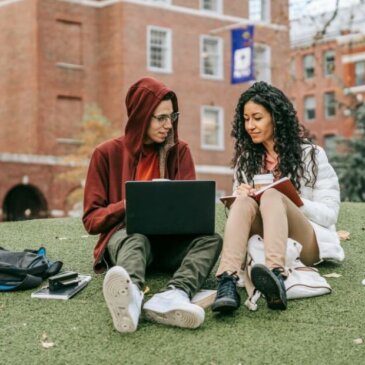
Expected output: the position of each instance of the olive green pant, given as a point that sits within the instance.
(189, 258)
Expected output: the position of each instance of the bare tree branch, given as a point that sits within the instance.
(321, 33)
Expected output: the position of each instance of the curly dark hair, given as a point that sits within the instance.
(289, 136)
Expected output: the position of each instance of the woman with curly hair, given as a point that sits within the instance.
(269, 139)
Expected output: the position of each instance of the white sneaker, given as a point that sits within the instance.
(124, 299)
(174, 308)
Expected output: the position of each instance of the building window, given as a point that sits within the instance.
(212, 128)
(67, 42)
(293, 69)
(211, 57)
(329, 104)
(68, 115)
(308, 63)
(262, 62)
(259, 10)
(360, 73)
(159, 49)
(329, 63)
(330, 144)
(309, 108)
(211, 5)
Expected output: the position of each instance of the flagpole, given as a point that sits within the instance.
(244, 23)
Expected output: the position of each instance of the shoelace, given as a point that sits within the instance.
(227, 286)
(278, 273)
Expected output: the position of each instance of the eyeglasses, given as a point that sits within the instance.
(163, 118)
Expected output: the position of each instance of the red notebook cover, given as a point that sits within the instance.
(284, 185)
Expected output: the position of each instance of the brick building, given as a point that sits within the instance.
(328, 72)
(58, 56)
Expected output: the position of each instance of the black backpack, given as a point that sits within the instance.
(25, 270)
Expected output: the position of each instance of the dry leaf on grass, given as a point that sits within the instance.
(332, 275)
(46, 344)
(359, 341)
(343, 235)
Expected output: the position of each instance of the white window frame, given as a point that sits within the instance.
(218, 10)
(293, 68)
(326, 104)
(219, 74)
(220, 112)
(265, 63)
(168, 68)
(359, 76)
(311, 55)
(265, 14)
(326, 71)
(309, 120)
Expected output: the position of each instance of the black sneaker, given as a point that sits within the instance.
(271, 284)
(227, 299)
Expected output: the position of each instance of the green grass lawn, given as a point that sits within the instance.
(319, 330)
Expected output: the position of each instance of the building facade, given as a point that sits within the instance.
(61, 55)
(327, 73)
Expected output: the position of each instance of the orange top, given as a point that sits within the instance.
(148, 165)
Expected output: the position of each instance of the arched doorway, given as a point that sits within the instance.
(24, 202)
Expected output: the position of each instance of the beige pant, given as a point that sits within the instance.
(275, 219)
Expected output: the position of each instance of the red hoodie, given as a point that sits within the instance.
(114, 162)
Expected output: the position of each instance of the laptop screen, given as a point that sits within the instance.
(170, 207)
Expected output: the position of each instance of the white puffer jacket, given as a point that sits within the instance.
(321, 205)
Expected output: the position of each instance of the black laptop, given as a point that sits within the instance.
(170, 207)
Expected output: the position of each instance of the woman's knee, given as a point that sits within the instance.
(246, 205)
(271, 195)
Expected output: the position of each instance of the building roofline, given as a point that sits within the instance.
(238, 21)
(340, 39)
(8, 2)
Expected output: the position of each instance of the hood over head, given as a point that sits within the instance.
(142, 99)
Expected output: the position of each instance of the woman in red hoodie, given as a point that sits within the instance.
(149, 149)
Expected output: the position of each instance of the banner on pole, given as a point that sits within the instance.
(242, 68)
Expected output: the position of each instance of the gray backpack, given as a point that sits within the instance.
(26, 269)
